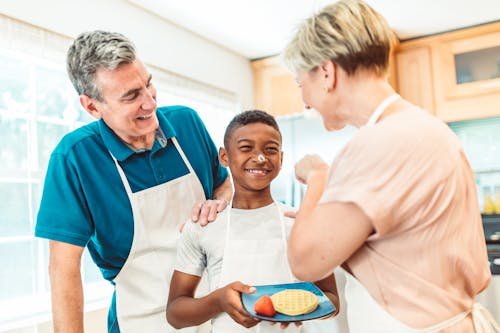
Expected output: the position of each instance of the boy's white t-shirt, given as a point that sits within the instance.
(202, 248)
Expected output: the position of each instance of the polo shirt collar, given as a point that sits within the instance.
(120, 150)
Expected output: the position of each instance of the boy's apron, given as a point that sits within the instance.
(257, 260)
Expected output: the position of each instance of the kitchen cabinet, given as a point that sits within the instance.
(414, 76)
(455, 75)
(275, 89)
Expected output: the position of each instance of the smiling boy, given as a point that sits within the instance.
(247, 245)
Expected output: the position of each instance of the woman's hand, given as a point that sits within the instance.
(229, 300)
(307, 166)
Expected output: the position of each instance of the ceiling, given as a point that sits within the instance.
(261, 28)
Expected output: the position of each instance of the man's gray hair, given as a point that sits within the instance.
(94, 50)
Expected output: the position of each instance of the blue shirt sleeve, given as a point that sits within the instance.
(63, 215)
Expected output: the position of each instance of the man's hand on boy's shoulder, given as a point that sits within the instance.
(206, 211)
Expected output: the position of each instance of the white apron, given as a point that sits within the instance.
(254, 261)
(142, 284)
(365, 315)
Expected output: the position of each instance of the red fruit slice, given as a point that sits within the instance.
(264, 306)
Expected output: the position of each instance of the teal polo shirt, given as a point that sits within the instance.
(84, 201)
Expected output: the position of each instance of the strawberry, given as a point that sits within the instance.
(264, 306)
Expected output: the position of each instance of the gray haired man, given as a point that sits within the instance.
(122, 185)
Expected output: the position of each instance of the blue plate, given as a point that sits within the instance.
(325, 307)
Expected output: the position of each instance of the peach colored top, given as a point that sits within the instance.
(427, 259)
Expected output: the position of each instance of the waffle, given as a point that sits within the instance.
(294, 302)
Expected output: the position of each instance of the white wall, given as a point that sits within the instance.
(159, 42)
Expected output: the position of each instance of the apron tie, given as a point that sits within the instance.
(483, 320)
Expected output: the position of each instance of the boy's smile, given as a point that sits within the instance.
(258, 171)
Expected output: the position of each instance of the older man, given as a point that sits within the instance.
(122, 185)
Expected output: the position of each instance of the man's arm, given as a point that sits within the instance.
(183, 310)
(66, 287)
(206, 211)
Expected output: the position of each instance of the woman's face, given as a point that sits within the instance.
(311, 89)
(318, 93)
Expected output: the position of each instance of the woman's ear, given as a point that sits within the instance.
(89, 105)
(224, 160)
(329, 70)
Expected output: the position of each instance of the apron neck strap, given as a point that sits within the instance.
(124, 178)
(381, 108)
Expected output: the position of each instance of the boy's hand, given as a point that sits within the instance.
(230, 302)
(206, 211)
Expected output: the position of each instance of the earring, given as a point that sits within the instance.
(326, 89)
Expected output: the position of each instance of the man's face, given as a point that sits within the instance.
(249, 172)
(129, 102)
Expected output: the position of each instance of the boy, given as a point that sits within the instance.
(247, 245)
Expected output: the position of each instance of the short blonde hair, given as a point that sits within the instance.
(349, 33)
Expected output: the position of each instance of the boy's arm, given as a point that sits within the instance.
(329, 287)
(183, 310)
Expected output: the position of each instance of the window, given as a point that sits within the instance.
(38, 105)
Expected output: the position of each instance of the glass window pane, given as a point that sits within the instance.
(14, 208)
(41, 254)
(478, 65)
(52, 91)
(48, 137)
(14, 152)
(91, 272)
(17, 279)
(14, 84)
(36, 195)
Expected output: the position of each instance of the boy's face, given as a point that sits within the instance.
(251, 172)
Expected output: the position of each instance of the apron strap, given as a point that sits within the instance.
(381, 108)
(123, 177)
(181, 152)
(483, 320)
(125, 180)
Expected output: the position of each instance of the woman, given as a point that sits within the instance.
(397, 208)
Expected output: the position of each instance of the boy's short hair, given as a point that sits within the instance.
(249, 117)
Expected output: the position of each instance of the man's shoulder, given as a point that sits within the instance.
(77, 137)
(181, 121)
(177, 112)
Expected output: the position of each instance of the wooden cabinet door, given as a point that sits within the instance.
(275, 89)
(471, 89)
(414, 76)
